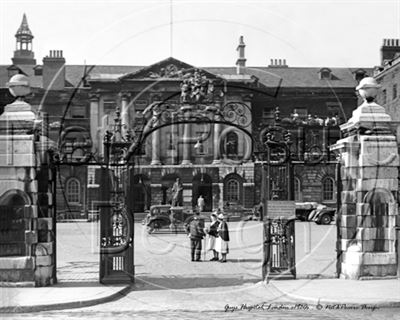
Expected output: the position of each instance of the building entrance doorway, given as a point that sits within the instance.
(140, 193)
(202, 185)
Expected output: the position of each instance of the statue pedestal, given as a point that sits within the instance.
(177, 213)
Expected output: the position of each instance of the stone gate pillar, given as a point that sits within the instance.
(27, 242)
(369, 201)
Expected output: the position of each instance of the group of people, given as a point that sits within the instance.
(218, 236)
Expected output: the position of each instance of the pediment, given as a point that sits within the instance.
(168, 69)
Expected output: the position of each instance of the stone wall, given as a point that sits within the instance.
(26, 182)
(369, 174)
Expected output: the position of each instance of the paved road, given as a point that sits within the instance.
(296, 313)
(162, 262)
(162, 257)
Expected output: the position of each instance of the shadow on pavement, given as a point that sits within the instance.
(176, 282)
(77, 284)
(243, 260)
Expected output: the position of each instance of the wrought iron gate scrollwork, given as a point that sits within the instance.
(121, 237)
(274, 154)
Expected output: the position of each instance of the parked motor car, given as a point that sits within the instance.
(313, 211)
(323, 215)
(303, 210)
(157, 218)
(161, 216)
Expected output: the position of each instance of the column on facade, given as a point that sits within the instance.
(174, 152)
(217, 131)
(221, 193)
(125, 113)
(186, 139)
(155, 145)
(94, 122)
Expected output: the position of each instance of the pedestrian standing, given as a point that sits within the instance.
(200, 203)
(195, 230)
(212, 232)
(223, 238)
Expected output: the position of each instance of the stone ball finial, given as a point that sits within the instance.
(19, 85)
(368, 89)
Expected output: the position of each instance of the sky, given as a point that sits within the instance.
(203, 33)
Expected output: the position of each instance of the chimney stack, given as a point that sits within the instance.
(241, 61)
(389, 49)
(54, 71)
(278, 63)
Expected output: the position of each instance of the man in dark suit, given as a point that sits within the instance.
(195, 230)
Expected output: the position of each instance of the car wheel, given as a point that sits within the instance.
(325, 219)
(156, 224)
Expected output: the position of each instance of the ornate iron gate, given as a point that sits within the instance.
(116, 230)
(279, 248)
(278, 204)
(116, 213)
(278, 151)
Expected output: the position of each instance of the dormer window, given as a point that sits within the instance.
(325, 74)
(13, 70)
(359, 74)
(38, 70)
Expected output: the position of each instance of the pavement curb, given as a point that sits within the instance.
(317, 302)
(67, 305)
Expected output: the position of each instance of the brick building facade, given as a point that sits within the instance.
(388, 76)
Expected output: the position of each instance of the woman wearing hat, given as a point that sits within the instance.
(223, 239)
(212, 236)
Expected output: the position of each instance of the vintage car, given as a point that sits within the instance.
(313, 211)
(158, 217)
(166, 216)
(322, 215)
(303, 210)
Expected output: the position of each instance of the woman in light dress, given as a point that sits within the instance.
(212, 236)
(221, 244)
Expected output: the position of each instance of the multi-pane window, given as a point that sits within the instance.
(232, 190)
(73, 191)
(91, 175)
(328, 189)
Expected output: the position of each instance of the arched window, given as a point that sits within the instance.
(328, 189)
(232, 190)
(231, 144)
(297, 190)
(73, 191)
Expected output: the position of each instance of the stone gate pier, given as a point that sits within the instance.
(27, 242)
(369, 199)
